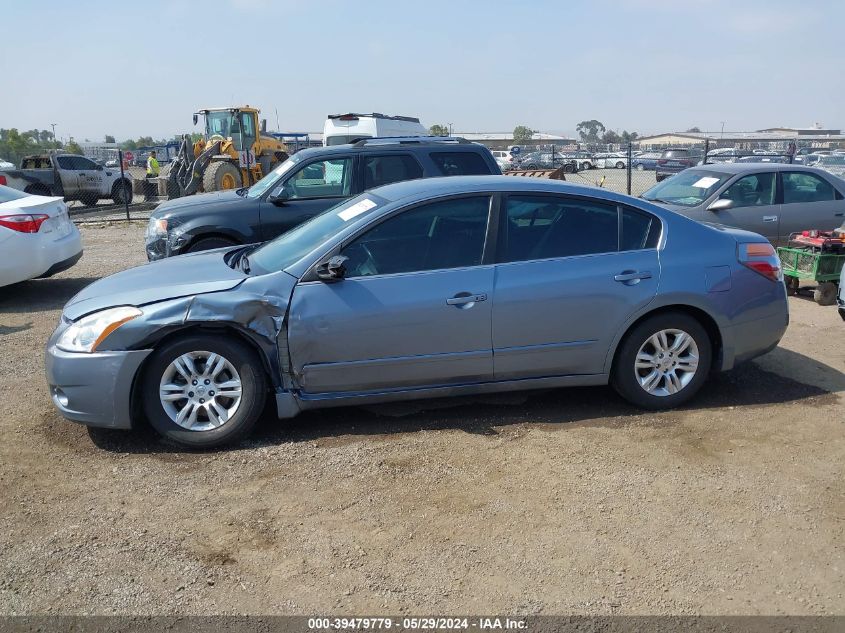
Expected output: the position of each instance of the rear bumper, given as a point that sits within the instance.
(94, 389)
(36, 255)
(62, 265)
(754, 338)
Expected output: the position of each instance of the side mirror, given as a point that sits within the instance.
(196, 118)
(100, 168)
(333, 270)
(720, 205)
(280, 197)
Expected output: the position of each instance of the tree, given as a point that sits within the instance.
(590, 130)
(438, 129)
(522, 134)
(611, 138)
(629, 137)
(694, 129)
(109, 138)
(73, 147)
(129, 144)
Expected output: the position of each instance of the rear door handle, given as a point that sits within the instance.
(632, 275)
(462, 298)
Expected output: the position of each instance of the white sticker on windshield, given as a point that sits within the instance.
(706, 182)
(356, 209)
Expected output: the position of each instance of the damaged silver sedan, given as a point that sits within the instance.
(418, 289)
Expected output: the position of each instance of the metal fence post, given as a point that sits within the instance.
(629, 167)
(706, 149)
(123, 183)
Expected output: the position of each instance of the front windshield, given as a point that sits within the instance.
(292, 246)
(687, 188)
(258, 189)
(219, 123)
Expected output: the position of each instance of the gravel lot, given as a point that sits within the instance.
(566, 501)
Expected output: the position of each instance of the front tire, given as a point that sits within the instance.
(663, 361)
(825, 294)
(204, 391)
(209, 243)
(620, 165)
(221, 176)
(121, 192)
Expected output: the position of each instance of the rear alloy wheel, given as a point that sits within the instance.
(203, 391)
(663, 361)
(620, 165)
(640, 167)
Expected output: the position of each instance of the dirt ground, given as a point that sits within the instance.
(565, 501)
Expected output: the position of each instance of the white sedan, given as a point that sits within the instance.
(37, 238)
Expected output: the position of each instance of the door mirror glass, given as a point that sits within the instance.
(720, 205)
(333, 270)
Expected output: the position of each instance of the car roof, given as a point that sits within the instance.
(447, 185)
(739, 168)
(381, 147)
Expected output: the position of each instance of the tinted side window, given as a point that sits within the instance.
(751, 191)
(382, 170)
(460, 164)
(805, 187)
(543, 227)
(65, 162)
(639, 230)
(321, 179)
(447, 234)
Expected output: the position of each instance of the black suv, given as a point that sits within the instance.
(672, 161)
(306, 184)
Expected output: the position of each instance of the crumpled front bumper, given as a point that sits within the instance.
(94, 389)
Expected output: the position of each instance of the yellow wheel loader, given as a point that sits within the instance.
(232, 153)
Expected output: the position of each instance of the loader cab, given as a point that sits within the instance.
(237, 125)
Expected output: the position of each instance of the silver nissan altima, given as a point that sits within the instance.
(418, 289)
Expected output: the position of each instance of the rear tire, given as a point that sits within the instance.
(221, 176)
(825, 294)
(793, 284)
(620, 165)
(204, 427)
(640, 167)
(121, 192)
(661, 375)
(89, 199)
(209, 243)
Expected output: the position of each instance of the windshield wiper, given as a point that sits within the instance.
(659, 200)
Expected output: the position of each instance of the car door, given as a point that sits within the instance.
(69, 175)
(754, 207)
(89, 176)
(570, 272)
(810, 201)
(412, 311)
(310, 189)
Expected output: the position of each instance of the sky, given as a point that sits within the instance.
(142, 68)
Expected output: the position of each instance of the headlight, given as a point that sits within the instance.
(87, 333)
(157, 227)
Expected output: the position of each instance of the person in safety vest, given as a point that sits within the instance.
(152, 173)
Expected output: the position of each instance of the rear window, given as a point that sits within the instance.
(676, 153)
(7, 194)
(460, 164)
(345, 138)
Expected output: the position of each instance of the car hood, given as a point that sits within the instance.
(216, 198)
(170, 278)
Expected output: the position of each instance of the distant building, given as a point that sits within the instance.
(504, 140)
(771, 139)
(102, 151)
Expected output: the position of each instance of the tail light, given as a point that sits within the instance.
(23, 223)
(761, 258)
(2, 180)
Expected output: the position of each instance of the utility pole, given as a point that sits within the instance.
(53, 125)
(450, 129)
(723, 130)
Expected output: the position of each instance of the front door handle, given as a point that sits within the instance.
(463, 298)
(770, 218)
(632, 275)
(838, 215)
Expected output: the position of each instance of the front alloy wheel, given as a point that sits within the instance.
(202, 391)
